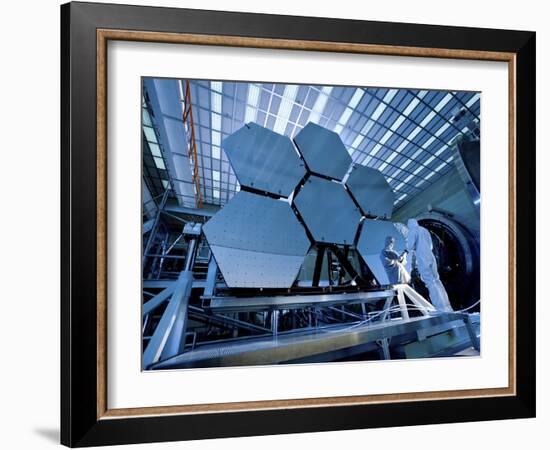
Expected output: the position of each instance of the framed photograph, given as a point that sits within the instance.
(279, 224)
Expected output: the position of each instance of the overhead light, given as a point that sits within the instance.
(442, 129)
(428, 142)
(320, 104)
(389, 133)
(216, 175)
(472, 101)
(215, 152)
(410, 107)
(216, 88)
(406, 163)
(378, 111)
(375, 150)
(364, 131)
(420, 183)
(216, 138)
(216, 122)
(443, 102)
(427, 119)
(398, 123)
(348, 111)
(287, 102)
(252, 102)
(429, 160)
(215, 117)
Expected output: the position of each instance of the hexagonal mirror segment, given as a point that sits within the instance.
(371, 191)
(257, 241)
(323, 151)
(264, 160)
(372, 241)
(328, 211)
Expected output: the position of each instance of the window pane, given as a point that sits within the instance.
(146, 118)
(150, 134)
(155, 149)
(160, 163)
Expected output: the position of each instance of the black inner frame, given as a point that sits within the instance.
(79, 424)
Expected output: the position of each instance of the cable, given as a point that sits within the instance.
(363, 322)
(469, 307)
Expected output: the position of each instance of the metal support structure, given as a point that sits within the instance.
(153, 231)
(292, 346)
(164, 253)
(318, 265)
(166, 327)
(211, 278)
(343, 259)
(169, 337)
(176, 339)
(386, 308)
(191, 253)
(344, 313)
(341, 271)
(275, 322)
(157, 300)
(423, 304)
(192, 145)
(267, 303)
(385, 346)
(226, 321)
(471, 332)
(364, 311)
(329, 266)
(175, 342)
(402, 304)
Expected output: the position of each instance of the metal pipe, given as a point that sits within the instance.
(191, 253)
(176, 339)
(275, 322)
(170, 325)
(157, 255)
(346, 313)
(164, 252)
(157, 300)
(174, 243)
(175, 343)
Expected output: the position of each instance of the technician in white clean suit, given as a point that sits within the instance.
(419, 241)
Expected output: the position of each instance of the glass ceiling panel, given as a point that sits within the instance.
(405, 133)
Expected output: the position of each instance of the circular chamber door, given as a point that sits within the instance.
(457, 255)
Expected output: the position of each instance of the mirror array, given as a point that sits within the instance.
(294, 196)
